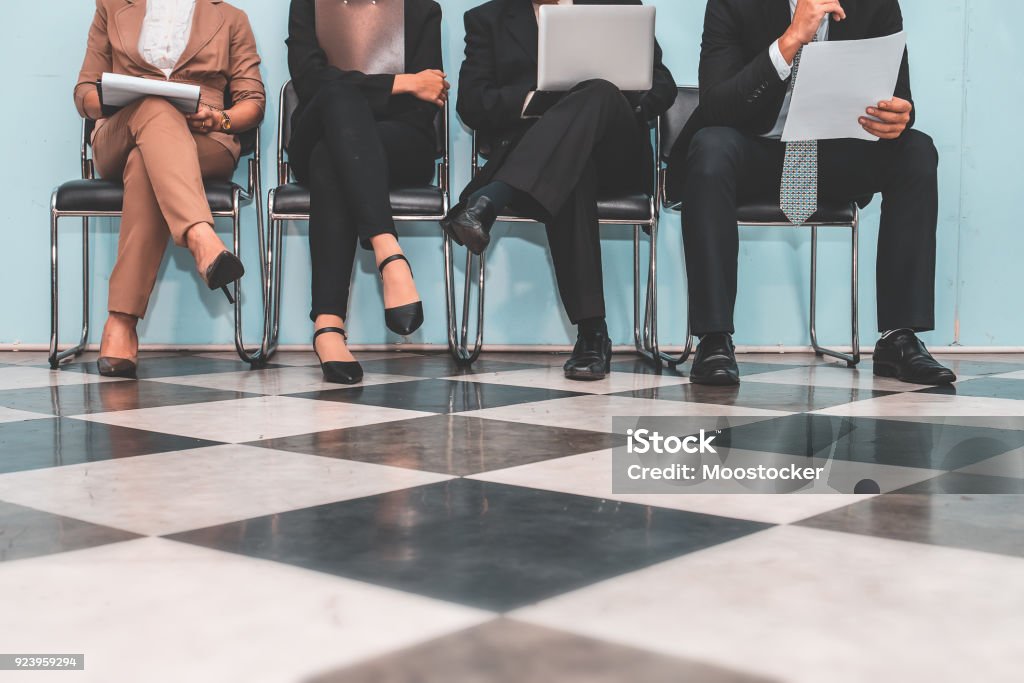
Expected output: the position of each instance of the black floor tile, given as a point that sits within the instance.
(966, 367)
(486, 545)
(989, 523)
(438, 395)
(984, 387)
(105, 397)
(54, 442)
(785, 397)
(172, 366)
(883, 442)
(443, 365)
(507, 651)
(450, 444)
(25, 532)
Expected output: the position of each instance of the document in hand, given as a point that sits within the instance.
(837, 81)
(118, 91)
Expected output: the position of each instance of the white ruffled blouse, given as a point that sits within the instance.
(165, 32)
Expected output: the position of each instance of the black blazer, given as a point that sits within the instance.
(309, 69)
(500, 69)
(739, 86)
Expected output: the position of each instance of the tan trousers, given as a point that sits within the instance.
(163, 164)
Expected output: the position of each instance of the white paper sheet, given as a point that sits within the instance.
(837, 81)
(120, 91)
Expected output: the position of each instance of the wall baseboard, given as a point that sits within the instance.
(512, 348)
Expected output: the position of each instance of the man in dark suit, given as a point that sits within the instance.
(552, 168)
(730, 151)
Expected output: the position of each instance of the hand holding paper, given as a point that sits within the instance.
(119, 91)
(837, 82)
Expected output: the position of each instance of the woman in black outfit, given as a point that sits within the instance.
(355, 135)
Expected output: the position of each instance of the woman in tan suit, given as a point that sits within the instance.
(162, 155)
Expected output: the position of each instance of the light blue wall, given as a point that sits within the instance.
(965, 64)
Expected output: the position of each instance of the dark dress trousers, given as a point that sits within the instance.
(721, 159)
(595, 139)
(352, 140)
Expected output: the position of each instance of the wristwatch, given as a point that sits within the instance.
(225, 122)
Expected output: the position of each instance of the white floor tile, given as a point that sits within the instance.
(23, 377)
(276, 381)
(595, 413)
(805, 606)
(163, 612)
(916, 404)
(253, 419)
(554, 378)
(833, 376)
(590, 474)
(11, 415)
(171, 492)
(1010, 464)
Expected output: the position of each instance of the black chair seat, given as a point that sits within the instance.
(628, 208)
(828, 212)
(293, 200)
(108, 196)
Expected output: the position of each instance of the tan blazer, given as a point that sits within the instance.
(220, 56)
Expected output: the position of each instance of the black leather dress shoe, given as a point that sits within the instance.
(903, 356)
(470, 225)
(715, 362)
(108, 366)
(591, 358)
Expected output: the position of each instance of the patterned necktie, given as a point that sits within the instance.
(798, 196)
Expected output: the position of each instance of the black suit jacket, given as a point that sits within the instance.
(500, 69)
(309, 69)
(739, 86)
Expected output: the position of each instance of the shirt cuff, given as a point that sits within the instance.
(783, 68)
(526, 104)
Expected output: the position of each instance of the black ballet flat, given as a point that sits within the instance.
(403, 320)
(225, 270)
(116, 367)
(338, 372)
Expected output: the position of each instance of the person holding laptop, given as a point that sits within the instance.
(552, 167)
(731, 151)
(161, 154)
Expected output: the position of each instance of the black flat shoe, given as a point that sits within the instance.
(471, 225)
(116, 367)
(338, 372)
(903, 356)
(403, 320)
(715, 362)
(224, 270)
(591, 358)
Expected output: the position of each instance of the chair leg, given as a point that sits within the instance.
(851, 359)
(674, 362)
(253, 357)
(56, 356)
(273, 305)
(458, 335)
(645, 333)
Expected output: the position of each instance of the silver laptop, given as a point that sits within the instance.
(583, 42)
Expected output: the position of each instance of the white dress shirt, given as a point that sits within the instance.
(784, 69)
(165, 32)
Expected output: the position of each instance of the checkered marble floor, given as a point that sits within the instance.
(214, 523)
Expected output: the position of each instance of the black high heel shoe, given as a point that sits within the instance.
(338, 372)
(224, 270)
(403, 320)
(109, 366)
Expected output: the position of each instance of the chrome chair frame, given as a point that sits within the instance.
(253, 193)
(644, 333)
(277, 220)
(852, 359)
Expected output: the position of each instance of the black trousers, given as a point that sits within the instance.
(725, 166)
(588, 144)
(349, 161)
